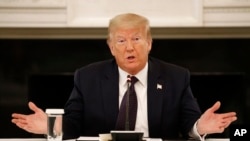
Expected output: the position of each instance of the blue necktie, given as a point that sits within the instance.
(128, 109)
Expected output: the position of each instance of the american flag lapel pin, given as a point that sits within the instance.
(159, 86)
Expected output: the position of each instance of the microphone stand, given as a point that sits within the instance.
(127, 103)
(127, 135)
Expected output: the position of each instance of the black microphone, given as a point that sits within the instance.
(127, 135)
(127, 103)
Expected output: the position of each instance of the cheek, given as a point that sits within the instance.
(146, 49)
(113, 50)
(149, 47)
(142, 54)
(117, 53)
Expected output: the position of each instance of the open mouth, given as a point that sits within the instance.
(131, 57)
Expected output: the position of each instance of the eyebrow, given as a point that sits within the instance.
(121, 36)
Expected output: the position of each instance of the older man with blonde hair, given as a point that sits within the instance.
(165, 106)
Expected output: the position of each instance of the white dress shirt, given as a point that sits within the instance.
(141, 123)
(141, 93)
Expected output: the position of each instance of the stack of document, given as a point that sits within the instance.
(97, 139)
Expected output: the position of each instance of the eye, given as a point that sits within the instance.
(136, 39)
(121, 41)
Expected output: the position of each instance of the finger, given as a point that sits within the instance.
(225, 124)
(19, 116)
(24, 127)
(33, 107)
(19, 121)
(221, 129)
(15, 121)
(233, 119)
(230, 114)
(20, 125)
(226, 119)
(215, 107)
(230, 120)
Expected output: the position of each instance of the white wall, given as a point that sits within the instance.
(96, 13)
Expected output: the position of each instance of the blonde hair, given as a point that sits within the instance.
(128, 20)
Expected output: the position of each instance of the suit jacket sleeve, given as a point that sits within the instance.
(73, 112)
(93, 105)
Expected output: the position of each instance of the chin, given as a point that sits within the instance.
(133, 69)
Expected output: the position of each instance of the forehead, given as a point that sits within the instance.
(135, 31)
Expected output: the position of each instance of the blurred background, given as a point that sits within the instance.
(41, 70)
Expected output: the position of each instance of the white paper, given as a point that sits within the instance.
(88, 138)
(97, 139)
(151, 139)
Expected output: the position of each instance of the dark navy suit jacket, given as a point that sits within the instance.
(93, 105)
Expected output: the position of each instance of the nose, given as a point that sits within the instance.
(130, 46)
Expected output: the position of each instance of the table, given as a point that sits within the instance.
(26, 139)
(43, 139)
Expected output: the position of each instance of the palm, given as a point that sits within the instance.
(34, 123)
(211, 122)
(37, 122)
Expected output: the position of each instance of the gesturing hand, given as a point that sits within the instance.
(211, 122)
(33, 123)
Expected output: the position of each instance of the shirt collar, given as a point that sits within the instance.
(141, 76)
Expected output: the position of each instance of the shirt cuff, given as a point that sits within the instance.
(194, 133)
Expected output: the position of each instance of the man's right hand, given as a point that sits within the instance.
(33, 123)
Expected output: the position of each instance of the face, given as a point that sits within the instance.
(130, 47)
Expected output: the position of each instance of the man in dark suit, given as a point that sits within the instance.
(166, 107)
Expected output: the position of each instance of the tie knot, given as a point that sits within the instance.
(133, 80)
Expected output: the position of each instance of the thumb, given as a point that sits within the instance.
(34, 108)
(215, 107)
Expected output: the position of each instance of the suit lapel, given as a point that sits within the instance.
(110, 94)
(156, 88)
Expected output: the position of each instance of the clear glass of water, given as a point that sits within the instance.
(54, 124)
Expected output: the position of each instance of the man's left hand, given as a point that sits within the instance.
(211, 122)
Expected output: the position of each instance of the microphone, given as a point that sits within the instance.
(127, 135)
(127, 103)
